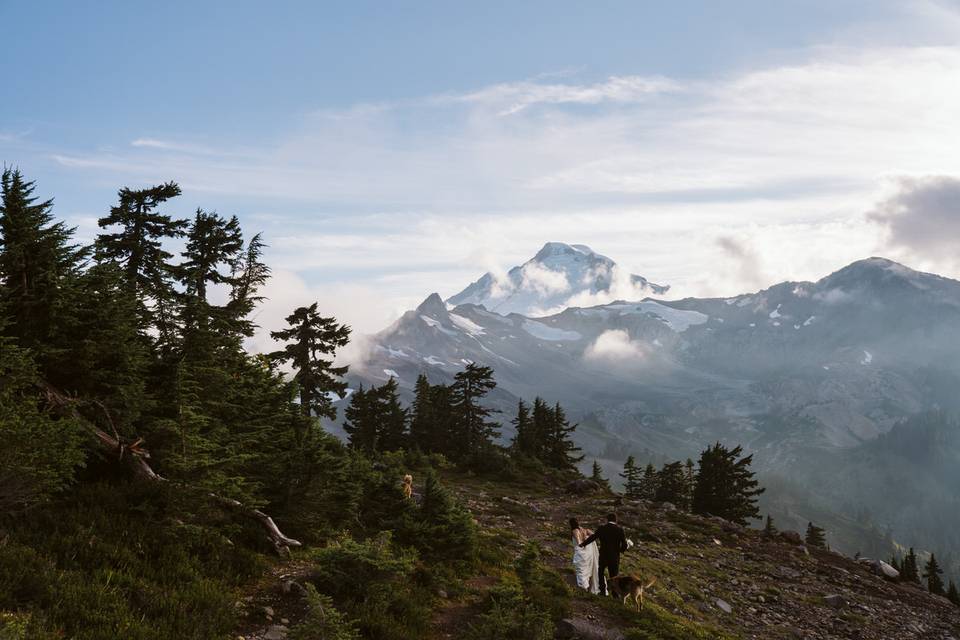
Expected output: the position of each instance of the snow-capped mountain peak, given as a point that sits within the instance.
(560, 275)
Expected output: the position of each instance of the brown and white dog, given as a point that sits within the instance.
(629, 586)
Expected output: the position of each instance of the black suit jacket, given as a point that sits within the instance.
(613, 541)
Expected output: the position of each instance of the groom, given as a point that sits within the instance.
(613, 542)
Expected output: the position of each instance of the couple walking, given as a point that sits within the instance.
(589, 562)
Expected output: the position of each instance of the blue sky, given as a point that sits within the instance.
(391, 149)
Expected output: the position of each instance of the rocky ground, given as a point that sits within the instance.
(714, 578)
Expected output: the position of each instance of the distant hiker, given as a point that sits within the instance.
(407, 486)
(613, 542)
(585, 558)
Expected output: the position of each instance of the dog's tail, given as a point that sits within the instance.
(650, 584)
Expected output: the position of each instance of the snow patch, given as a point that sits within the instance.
(677, 319)
(867, 358)
(467, 325)
(543, 332)
(391, 373)
(776, 312)
(809, 321)
(434, 361)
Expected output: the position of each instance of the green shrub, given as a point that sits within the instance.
(323, 621)
(377, 584)
(510, 615)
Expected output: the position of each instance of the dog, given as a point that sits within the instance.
(407, 486)
(628, 586)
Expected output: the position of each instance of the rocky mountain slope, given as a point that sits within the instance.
(801, 374)
(714, 578)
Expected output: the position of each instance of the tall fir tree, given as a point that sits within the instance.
(309, 337)
(427, 432)
(725, 485)
(596, 474)
(815, 536)
(672, 486)
(631, 479)
(38, 265)
(769, 528)
(522, 443)
(932, 574)
(137, 245)
(911, 568)
(649, 482)
(561, 452)
(473, 427)
(361, 420)
(393, 418)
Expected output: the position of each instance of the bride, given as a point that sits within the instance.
(585, 560)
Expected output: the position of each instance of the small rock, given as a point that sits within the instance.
(284, 621)
(268, 611)
(276, 632)
(791, 536)
(835, 600)
(724, 606)
(441, 594)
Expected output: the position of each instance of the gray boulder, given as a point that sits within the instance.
(582, 629)
(835, 600)
(880, 568)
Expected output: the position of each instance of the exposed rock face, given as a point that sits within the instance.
(582, 487)
(582, 629)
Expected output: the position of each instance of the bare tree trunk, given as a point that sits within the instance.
(136, 458)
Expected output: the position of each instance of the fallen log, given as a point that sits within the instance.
(135, 456)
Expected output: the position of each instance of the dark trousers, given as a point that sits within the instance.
(611, 564)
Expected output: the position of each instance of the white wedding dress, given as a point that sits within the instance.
(586, 561)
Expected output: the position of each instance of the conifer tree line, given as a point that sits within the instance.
(132, 334)
(928, 574)
(452, 420)
(721, 484)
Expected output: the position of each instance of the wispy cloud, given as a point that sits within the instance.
(715, 186)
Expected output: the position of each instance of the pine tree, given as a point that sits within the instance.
(649, 483)
(932, 573)
(360, 421)
(952, 594)
(37, 265)
(725, 486)
(392, 418)
(137, 246)
(769, 529)
(596, 475)
(522, 441)
(310, 335)
(815, 536)
(425, 427)
(631, 479)
(911, 568)
(673, 485)
(541, 424)
(560, 450)
(472, 424)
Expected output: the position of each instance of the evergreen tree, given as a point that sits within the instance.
(475, 432)
(725, 486)
(137, 246)
(309, 337)
(249, 276)
(360, 422)
(391, 417)
(631, 479)
(815, 536)
(649, 482)
(769, 529)
(37, 265)
(541, 425)
(596, 474)
(523, 439)
(427, 432)
(560, 450)
(673, 485)
(952, 594)
(911, 568)
(932, 573)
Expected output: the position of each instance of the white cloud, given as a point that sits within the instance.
(538, 278)
(397, 200)
(615, 346)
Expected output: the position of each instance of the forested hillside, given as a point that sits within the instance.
(157, 481)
